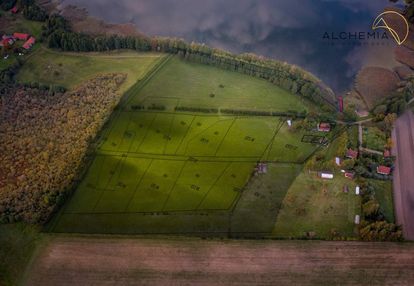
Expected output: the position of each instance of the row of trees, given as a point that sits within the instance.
(58, 35)
(397, 102)
(374, 225)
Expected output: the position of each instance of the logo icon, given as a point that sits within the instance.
(399, 36)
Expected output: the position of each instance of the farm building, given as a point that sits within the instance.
(351, 154)
(7, 40)
(14, 10)
(29, 43)
(21, 36)
(384, 170)
(324, 127)
(326, 175)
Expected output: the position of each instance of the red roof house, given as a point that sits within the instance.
(29, 43)
(7, 41)
(324, 127)
(351, 154)
(14, 10)
(387, 153)
(384, 170)
(21, 36)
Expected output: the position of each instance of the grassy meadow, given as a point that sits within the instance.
(319, 206)
(157, 170)
(68, 70)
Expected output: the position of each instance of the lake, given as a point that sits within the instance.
(294, 31)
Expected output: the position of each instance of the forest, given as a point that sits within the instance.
(44, 137)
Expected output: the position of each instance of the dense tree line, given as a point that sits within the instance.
(374, 226)
(32, 11)
(58, 35)
(41, 159)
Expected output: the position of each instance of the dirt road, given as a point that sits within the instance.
(109, 261)
(403, 137)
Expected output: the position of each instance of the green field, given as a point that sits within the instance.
(68, 70)
(188, 84)
(374, 138)
(161, 171)
(319, 206)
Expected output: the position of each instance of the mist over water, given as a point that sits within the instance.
(287, 30)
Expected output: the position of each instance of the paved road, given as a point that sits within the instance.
(120, 261)
(403, 138)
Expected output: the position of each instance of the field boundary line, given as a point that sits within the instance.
(201, 132)
(169, 134)
(173, 186)
(146, 132)
(225, 135)
(138, 184)
(213, 185)
(186, 134)
(269, 146)
(109, 180)
(140, 84)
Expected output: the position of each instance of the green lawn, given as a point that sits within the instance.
(194, 85)
(319, 206)
(353, 136)
(154, 169)
(374, 138)
(68, 70)
(383, 194)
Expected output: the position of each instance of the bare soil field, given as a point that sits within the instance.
(375, 83)
(403, 136)
(405, 56)
(124, 261)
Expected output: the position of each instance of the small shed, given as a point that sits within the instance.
(357, 190)
(357, 219)
(338, 161)
(326, 175)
